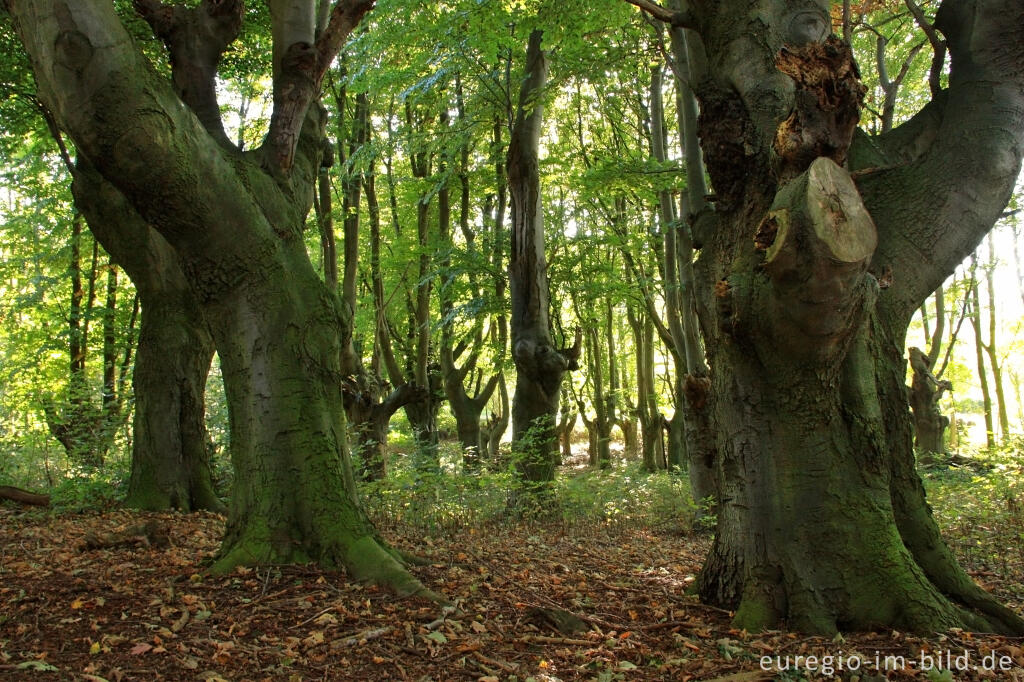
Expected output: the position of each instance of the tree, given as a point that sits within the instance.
(539, 364)
(235, 220)
(807, 278)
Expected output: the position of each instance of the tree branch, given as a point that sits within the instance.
(956, 162)
(683, 17)
(299, 74)
(937, 43)
(196, 38)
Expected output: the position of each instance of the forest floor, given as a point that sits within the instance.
(136, 612)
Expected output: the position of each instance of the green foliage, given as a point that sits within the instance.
(90, 491)
(979, 504)
(450, 503)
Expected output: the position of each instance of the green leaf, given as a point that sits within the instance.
(437, 637)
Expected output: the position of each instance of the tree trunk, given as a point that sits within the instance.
(170, 446)
(925, 393)
(979, 351)
(539, 365)
(371, 416)
(497, 423)
(991, 348)
(691, 446)
(236, 222)
(805, 344)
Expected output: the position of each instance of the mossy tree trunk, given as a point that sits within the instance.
(235, 221)
(170, 446)
(807, 278)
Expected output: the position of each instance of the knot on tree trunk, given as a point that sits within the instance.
(826, 104)
(544, 364)
(696, 390)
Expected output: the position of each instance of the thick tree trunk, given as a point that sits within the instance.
(170, 446)
(805, 345)
(236, 222)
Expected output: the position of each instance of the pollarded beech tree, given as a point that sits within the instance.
(540, 366)
(821, 244)
(235, 220)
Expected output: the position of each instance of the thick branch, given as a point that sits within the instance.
(299, 71)
(23, 496)
(125, 118)
(947, 174)
(818, 240)
(196, 37)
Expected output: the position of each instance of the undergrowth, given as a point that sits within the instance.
(979, 505)
(625, 497)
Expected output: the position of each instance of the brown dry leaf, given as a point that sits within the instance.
(141, 648)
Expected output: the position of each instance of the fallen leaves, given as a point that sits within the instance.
(153, 611)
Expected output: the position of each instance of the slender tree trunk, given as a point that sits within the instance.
(539, 365)
(497, 424)
(979, 348)
(647, 403)
(992, 349)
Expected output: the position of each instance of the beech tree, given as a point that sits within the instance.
(235, 220)
(821, 243)
(539, 364)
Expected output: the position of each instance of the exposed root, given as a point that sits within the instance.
(368, 561)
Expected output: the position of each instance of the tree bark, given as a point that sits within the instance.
(170, 446)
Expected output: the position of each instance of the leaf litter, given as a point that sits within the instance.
(530, 602)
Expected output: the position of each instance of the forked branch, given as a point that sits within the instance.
(302, 70)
